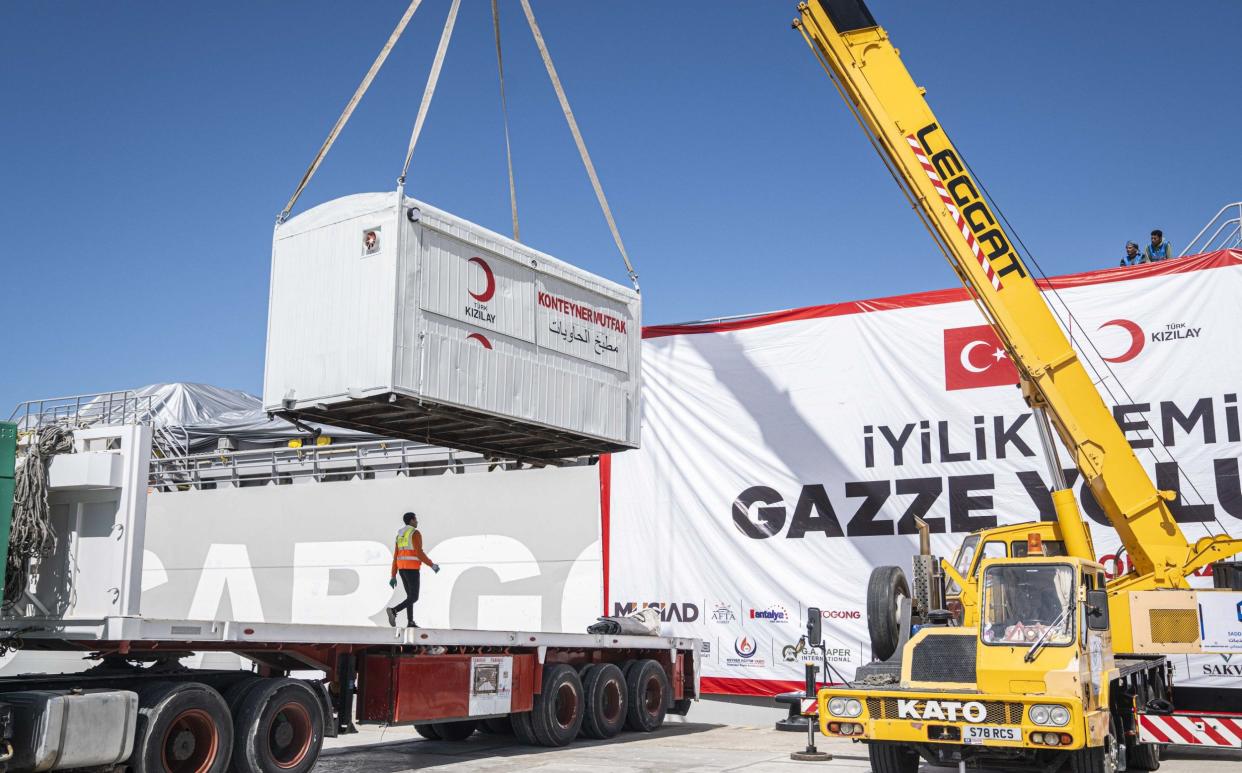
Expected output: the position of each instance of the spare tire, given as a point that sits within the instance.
(886, 586)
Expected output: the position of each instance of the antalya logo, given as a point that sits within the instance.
(481, 339)
(745, 647)
(974, 357)
(775, 614)
(723, 613)
(1172, 331)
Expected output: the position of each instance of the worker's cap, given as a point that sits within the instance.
(408, 517)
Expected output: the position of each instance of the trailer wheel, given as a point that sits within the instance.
(885, 586)
(429, 732)
(557, 716)
(889, 757)
(235, 693)
(606, 701)
(456, 731)
(278, 727)
(1142, 756)
(182, 727)
(496, 725)
(523, 728)
(648, 696)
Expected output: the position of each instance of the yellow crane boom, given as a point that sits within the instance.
(869, 72)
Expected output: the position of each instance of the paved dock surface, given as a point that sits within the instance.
(685, 747)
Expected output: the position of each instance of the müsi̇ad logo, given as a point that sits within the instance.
(974, 357)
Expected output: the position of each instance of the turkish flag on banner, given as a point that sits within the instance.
(974, 357)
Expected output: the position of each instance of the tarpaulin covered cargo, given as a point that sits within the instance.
(403, 320)
(786, 455)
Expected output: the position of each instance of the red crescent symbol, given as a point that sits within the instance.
(488, 291)
(482, 339)
(1136, 340)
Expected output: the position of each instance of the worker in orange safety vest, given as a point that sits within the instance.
(407, 558)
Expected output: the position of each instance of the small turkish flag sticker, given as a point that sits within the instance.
(974, 357)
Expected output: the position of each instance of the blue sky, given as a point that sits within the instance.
(146, 148)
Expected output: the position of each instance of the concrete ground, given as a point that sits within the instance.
(688, 746)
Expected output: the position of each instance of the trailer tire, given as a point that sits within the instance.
(428, 732)
(497, 725)
(237, 691)
(557, 716)
(457, 731)
(278, 728)
(606, 701)
(885, 586)
(523, 728)
(182, 724)
(648, 695)
(888, 757)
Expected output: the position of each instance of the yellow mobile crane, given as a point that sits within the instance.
(1028, 673)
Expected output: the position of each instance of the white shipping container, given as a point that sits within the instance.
(400, 319)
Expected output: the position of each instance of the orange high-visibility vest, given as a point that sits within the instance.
(409, 549)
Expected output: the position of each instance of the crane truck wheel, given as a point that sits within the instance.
(606, 701)
(648, 695)
(886, 585)
(278, 727)
(889, 757)
(181, 726)
(428, 732)
(1096, 759)
(557, 715)
(1142, 756)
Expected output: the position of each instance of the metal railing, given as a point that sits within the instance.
(1225, 228)
(84, 410)
(336, 462)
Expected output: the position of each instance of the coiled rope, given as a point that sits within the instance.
(32, 535)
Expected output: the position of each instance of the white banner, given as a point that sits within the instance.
(785, 456)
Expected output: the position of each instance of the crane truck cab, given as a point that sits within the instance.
(1033, 682)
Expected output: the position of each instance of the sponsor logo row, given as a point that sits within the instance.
(725, 613)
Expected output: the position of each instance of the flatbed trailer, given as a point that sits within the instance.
(145, 709)
(139, 707)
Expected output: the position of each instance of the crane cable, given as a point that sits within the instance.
(349, 109)
(429, 90)
(504, 113)
(582, 149)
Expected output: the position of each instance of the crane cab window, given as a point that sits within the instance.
(993, 549)
(1024, 604)
(1052, 547)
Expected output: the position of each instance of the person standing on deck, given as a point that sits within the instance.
(407, 559)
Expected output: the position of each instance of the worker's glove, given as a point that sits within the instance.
(435, 568)
(392, 583)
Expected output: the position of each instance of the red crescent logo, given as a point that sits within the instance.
(1136, 340)
(490, 289)
(482, 339)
